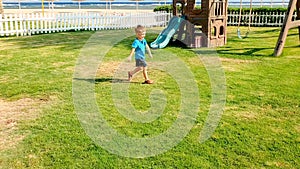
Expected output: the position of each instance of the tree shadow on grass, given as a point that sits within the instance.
(250, 52)
(64, 41)
(228, 51)
(245, 52)
(266, 31)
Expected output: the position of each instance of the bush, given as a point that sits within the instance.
(169, 8)
(261, 9)
(166, 8)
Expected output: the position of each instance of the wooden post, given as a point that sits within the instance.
(298, 16)
(288, 24)
(43, 7)
(1, 8)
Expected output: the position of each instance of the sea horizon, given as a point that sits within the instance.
(130, 4)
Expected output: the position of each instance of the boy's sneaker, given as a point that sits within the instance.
(148, 82)
(129, 76)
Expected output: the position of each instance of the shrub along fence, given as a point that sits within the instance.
(262, 16)
(37, 23)
(258, 17)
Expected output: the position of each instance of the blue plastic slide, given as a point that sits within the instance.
(164, 37)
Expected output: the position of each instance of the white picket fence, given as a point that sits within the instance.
(268, 19)
(38, 23)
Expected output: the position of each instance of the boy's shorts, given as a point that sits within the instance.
(140, 63)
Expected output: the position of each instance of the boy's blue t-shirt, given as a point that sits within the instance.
(140, 47)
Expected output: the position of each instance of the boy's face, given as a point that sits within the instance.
(141, 35)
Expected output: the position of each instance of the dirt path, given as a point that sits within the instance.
(11, 114)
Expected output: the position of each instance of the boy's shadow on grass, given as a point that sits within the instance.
(105, 79)
(111, 80)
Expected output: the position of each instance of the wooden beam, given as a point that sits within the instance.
(294, 24)
(298, 15)
(287, 24)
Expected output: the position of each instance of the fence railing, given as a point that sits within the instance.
(272, 19)
(37, 23)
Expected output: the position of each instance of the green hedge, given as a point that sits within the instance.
(169, 8)
(166, 8)
(261, 9)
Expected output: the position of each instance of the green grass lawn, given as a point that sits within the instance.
(259, 127)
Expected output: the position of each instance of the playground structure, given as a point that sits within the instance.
(288, 24)
(249, 23)
(205, 27)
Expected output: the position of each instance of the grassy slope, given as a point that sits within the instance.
(259, 128)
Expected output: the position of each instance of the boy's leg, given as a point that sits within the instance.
(131, 73)
(145, 73)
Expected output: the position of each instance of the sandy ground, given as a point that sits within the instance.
(11, 114)
(12, 11)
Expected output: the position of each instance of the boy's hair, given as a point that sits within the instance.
(140, 29)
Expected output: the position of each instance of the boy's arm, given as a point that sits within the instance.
(149, 51)
(131, 54)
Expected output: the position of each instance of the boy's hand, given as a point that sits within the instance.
(129, 59)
